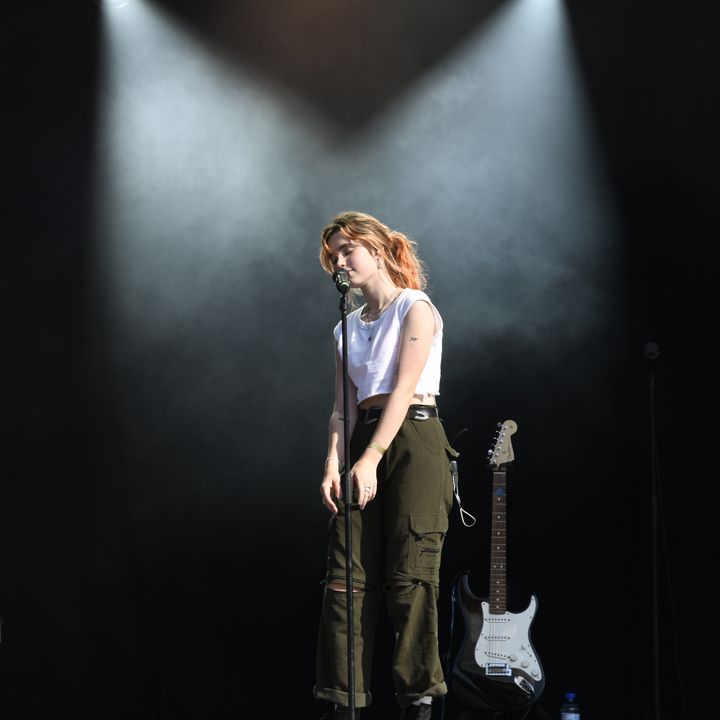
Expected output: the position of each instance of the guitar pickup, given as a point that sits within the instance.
(498, 670)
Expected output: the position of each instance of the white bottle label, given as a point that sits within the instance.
(570, 716)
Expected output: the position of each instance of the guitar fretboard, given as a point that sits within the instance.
(498, 545)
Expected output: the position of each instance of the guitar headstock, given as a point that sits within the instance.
(501, 453)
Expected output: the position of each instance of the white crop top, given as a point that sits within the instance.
(373, 348)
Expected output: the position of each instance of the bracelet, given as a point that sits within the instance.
(332, 457)
(376, 446)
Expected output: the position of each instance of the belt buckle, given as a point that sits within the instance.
(416, 414)
(420, 413)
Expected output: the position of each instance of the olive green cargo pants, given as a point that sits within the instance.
(397, 543)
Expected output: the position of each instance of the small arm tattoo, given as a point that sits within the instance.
(412, 338)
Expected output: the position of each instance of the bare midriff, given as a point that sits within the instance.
(381, 401)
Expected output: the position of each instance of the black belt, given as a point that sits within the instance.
(415, 412)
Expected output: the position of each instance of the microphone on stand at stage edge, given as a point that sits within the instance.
(341, 280)
(651, 350)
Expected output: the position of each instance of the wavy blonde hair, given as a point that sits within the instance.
(398, 250)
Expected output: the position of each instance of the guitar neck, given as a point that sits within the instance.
(498, 545)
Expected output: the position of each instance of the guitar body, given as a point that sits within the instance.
(496, 667)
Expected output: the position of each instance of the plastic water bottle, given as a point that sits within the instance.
(569, 710)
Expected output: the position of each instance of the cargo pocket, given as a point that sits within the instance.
(427, 534)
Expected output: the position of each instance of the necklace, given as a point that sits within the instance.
(372, 315)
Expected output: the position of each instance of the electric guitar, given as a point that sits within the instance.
(496, 667)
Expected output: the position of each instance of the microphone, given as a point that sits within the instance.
(341, 280)
(651, 350)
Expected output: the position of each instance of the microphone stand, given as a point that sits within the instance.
(651, 352)
(343, 287)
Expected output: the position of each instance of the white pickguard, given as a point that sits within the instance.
(504, 643)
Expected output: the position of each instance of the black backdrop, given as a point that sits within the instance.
(119, 601)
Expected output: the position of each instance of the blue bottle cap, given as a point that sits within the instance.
(570, 696)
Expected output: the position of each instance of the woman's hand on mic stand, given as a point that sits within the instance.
(331, 486)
